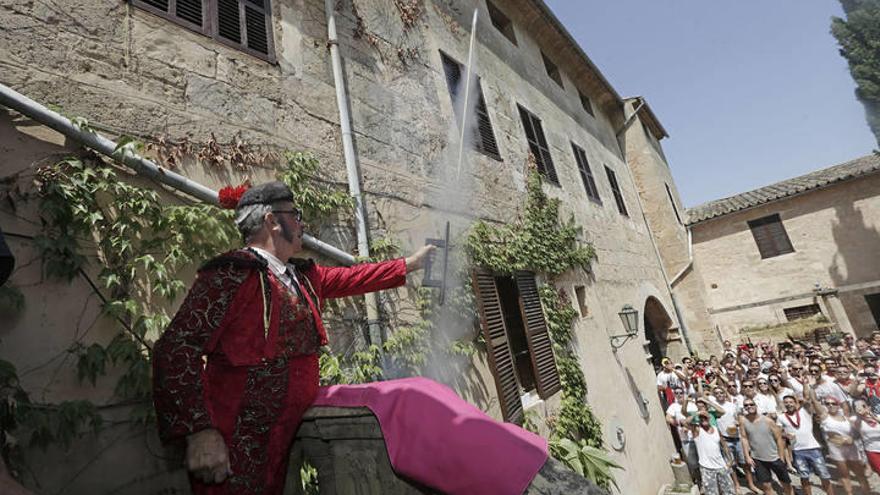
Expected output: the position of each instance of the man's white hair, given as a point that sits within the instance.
(249, 219)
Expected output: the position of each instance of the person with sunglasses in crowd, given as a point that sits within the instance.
(677, 415)
(844, 449)
(763, 447)
(797, 424)
(727, 424)
(867, 425)
(713, 455)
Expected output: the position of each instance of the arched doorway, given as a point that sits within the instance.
(657, 325)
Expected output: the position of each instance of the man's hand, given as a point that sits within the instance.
(416, 261)
(207, 457)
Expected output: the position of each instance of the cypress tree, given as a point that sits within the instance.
(859, 39)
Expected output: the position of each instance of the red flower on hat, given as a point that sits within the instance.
(229, 195)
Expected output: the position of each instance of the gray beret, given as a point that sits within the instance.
(267, 193)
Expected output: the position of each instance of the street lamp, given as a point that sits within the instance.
(630, 318)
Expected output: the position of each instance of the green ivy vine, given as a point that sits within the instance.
(538, 241)
(132, 246)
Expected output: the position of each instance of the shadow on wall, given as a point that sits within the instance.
(855, 261)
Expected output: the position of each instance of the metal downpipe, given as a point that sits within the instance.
(371, 301)
(30, 108)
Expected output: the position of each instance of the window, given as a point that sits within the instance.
(501, 22)
(586, 174)
(552, 70)
(484, 136)
(873, 301)
(770, 236)
(615, 189)
(801, 312)
(586, 103)
(672, 202)
(581, 293)
(520, 353)
(538, 144)
(242, 24)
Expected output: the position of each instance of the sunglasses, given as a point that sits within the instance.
(297, 214)
(748, 385)
(749, 405)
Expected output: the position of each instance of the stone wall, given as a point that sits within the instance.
(131, 72)
(653, 175)
(835, 233)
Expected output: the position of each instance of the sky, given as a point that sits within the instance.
(751, 92)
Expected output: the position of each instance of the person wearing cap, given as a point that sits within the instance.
(669, 379)
(715, 459)
(238, 365)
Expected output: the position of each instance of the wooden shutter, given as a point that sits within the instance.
(586, 174)
(615, 189)
(770, 236)
(495, 333)
(484, 135)
(187, 13)
(246, 24)
(538, 145)
(540, 347)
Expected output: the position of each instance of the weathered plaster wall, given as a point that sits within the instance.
(129, 72)
(652, 174)
(835, 233)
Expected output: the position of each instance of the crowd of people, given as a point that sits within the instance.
(790, 409)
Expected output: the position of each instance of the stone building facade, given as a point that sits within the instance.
(805, 246)
(131, 71)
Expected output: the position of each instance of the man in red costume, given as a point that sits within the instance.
(257, 321)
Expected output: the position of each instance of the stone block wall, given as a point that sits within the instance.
(130, 72)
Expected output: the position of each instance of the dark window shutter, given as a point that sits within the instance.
(538, 145)
(188, 13)
(190, 10)
(229, 20)
(615, 189)
(586, 174)
(484, 136)
(159, 4)
(495, 333)
(540, 347)
(256, 26)
(770, 236)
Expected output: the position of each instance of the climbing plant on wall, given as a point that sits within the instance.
(538, 241)
(132, 246)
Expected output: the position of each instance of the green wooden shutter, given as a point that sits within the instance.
(495, 333)
(540, 347)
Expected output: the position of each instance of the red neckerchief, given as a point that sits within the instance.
(796, 425)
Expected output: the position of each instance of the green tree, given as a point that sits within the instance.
(859, 39)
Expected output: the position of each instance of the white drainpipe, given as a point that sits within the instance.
(351, 165)
(30, 108)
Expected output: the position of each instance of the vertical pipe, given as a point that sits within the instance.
(351, 165)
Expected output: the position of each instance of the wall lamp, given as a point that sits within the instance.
(630, 318)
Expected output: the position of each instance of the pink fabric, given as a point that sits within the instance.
(437, 439)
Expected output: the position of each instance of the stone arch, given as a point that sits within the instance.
(657, 324)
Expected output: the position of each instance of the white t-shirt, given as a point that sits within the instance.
(797, 387)
(766, 403)
(783, 392)
(674, 410)
(708, 445)
(871, 436)
(669, 379)
(800, 425)
(728, 419)
(830, 388)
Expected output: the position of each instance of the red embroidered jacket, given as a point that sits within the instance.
(238, 313)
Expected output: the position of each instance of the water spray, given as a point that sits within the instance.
(467, 93)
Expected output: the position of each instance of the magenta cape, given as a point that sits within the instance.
(437, 439)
